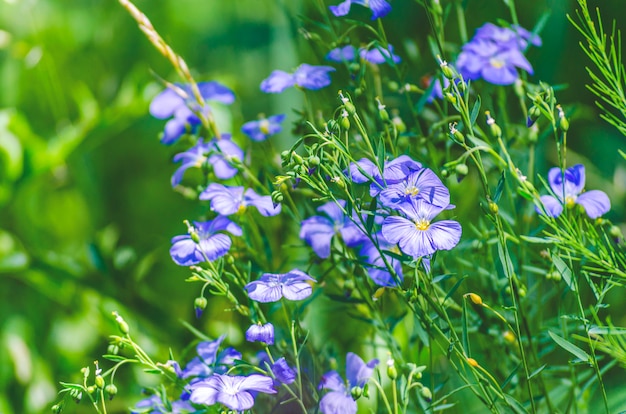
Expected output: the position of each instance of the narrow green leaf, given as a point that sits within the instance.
(607, 330)
(565, 272)
(570, 347)
(499, 187)
(475, 111)
(537, 371)
(515, 405)
(537, 240)
(454, 288)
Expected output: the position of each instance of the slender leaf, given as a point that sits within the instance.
(570, 347)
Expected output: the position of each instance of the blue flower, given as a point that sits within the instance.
(209, 361)
(231, 391)
(154, 405)
(261, 333)
(342, 54)
(306, 76)
(416, 235)
(379, 55)
(568, 187)
(375, 264)
(263, 128)
(339, 400)
(219, 153)
(318, 231)
(421, 184)
(393, 172)
(283, 372)
(379, 8)
(203, 242)
(495, 53)
(231, 200)
(293, 285)
(178, 103)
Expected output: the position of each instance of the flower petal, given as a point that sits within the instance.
(595, 202)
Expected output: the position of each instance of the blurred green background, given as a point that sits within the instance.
(86, 208)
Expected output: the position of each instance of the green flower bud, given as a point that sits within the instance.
(410, 88)
(113, 349)
(616, 232)
(356, 392)
(111, 390)
(446, 69)
(345, 121)
(349, 107)
(314, 161)
(199, 305)
(99, 381)
(450, 98)
(393, 86)
(57, 408)
(563, 122)
(382, 112)
(121, 324)
(496, 131)
(297, 158)
(493, 207)
(445, 173)
(354, 67)
(285, 156)
(399, 124)
(521, 292)
(277, 197)
(392, 371)
(76, 394)
(456, 134)
(91, 389)
(426, 394)
(461, 169)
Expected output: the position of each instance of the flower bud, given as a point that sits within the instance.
(450, 98)
(616, 232)
(461, 169)
(121, 324)
(297, 158)
(563, 122)
(111, 390)
(476, 300)
(426, 394)
(392, 371)
(113, 349)
(509, 336)
(199, 305)
(447, 71)
(76, 394)
(345, 122)
(456, 134)
(472, 362)
(493, 207)
(314, 161)
(285, 155)
(399, 124)
(99, 381)
(393, 86)
(349, 107)
(91, 389)
(382, 112)
(354, 67)
(277, 197)
(495, 129)
(521, 292)
(57, 409)
(356, 392)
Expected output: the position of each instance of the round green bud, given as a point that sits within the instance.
(393, 86)
(314, 161)
(447, 70)
(399, 124)
(297, 158)
(354, 67)
(450, 98)
(57, 408)
(356, 392)
(521, 292)
(392, 371)
(493, 207)
(461, 169)
(99, 381)
(426, 394)
(350, 108)
(91, 389)
(113, 349)
(384, 115)
(121, 323)
(230, 259)
(345, 123)
(200, 303)
(277, 197)
(534, 113)
(564, 124)
(111, 390)
(616, 232)
(445, 173)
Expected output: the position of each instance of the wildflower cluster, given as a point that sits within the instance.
(357, 220)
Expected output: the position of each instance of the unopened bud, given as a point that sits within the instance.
(113, 349)
(314, 161)
(450, 98)
(356, 392)
(349, 107)
(447, 71)
(121, 324)
(392, 371)
(461, 169)
(345, 121)
(493, 207)
(57, 408)
(509, 336)
(476, 300)
(111, 390)
(199, 305)
(382, 112)
(277, 197)
(472, 362)
(76, 394)
(99, 381)
(456, 134)
(563, 122)
(399, 124)
(393, 86)
(495, 129)
(616, 232)
(426, 394)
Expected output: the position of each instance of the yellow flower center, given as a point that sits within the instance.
(422, 224)
(570, 201)
(412, 191)
(496, 63)
(264, 126)
(241, 208)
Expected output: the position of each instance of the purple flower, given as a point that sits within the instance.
(379, 8)
(379, 55)
(272, 287)
(306, 76)
(568, 187)
(261, 333)
(416, 235)
(209, 360)
(283, 372)
(154, 405)
(375, 264)
(495, 54)
(342, 54)
(203, 242)
(318, 231)
(231, 200)
(263, 128)
(220, 154)
(178, 103)
(393, 172)
(339, 400)
(231, 391)
(421, 184)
